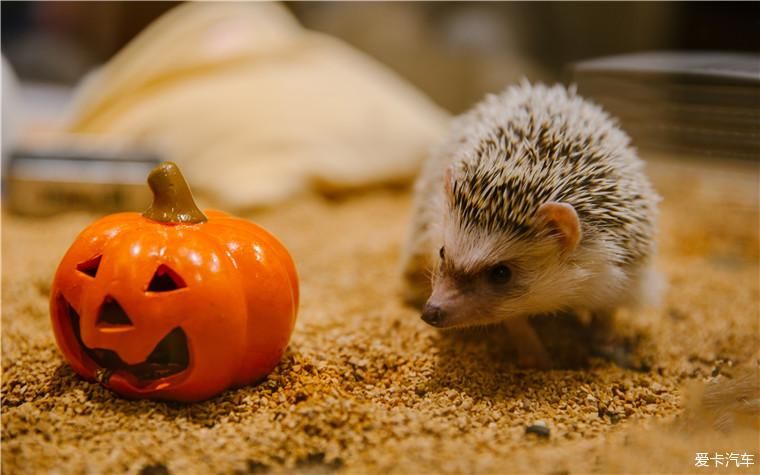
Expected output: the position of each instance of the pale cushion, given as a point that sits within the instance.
(254, 108)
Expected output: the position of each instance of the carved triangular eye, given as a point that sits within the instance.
(90, 267)
(165, 280)
(111, 313)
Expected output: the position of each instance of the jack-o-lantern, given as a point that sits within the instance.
(174, 303)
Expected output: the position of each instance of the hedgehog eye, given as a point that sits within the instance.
(499, 274)
(441, 252)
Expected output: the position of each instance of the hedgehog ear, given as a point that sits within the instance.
(563, 218)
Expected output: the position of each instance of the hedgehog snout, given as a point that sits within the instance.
(433, 315)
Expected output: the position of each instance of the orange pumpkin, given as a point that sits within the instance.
(172, 303)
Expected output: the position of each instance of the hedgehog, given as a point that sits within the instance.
(535, 203)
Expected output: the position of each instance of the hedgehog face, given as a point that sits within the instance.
(484, 277)
(488, 281)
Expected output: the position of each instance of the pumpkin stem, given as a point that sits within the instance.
(172, 200)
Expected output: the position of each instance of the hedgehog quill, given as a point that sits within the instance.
(535, 203)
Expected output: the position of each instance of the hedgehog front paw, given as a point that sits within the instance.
(530, 351)
(534, 360)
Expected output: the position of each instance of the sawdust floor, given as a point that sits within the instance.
(366, 387)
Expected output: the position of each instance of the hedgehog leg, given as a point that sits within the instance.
(416, 263)
(530, 351)
(416, 267)
(602, 328)
(416, 282)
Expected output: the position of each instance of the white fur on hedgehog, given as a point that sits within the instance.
(508, 155)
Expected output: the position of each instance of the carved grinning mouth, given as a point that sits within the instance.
(169, 357)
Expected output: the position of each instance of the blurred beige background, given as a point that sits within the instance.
(455, 52)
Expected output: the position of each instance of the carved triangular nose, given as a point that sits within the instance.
(165, 280)
(112, 314)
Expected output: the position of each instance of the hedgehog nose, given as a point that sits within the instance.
(432, 315)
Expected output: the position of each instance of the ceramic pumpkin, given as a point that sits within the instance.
(174, 303)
